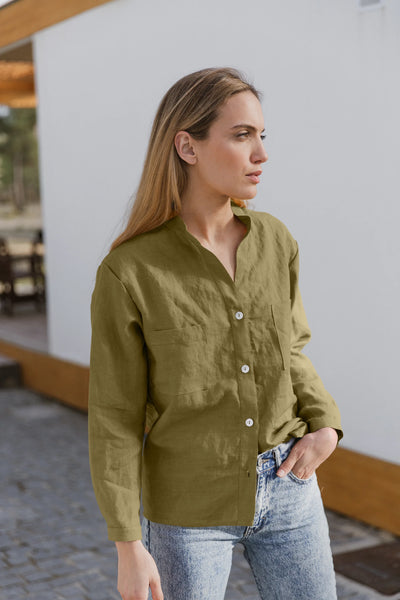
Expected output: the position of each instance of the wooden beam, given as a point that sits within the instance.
(22, 52)
(20, 100)
(57, 378)
(362, 487)
(17, 85)
(22, 18)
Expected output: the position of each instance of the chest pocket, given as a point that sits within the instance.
(178, 360)
(281, 314)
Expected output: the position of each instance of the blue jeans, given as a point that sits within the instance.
(287, 546)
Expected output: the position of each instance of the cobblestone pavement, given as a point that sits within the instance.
(53, 539)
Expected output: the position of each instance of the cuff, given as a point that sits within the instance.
(319, 423)
(122, 534)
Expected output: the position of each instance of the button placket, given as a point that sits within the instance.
(247, 392)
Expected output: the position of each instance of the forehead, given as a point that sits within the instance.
(240, 108)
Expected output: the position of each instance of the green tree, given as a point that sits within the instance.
(19, 179)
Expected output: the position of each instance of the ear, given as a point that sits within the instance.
(185, 147)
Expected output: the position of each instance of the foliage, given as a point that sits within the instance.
(19, 179)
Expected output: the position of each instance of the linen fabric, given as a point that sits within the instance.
(212, 366)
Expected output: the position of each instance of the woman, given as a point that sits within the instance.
(197, 332)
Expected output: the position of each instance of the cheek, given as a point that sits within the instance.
(218, 162)
(229, 158)
(223, 163)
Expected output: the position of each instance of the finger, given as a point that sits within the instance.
(303, 472)
(156, 591)
(288, 464)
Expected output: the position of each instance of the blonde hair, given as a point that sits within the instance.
(191, 105)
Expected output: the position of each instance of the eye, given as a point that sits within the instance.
(246, 134)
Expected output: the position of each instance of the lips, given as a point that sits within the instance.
(254, 177)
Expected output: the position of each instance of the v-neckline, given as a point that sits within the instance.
(245, 218)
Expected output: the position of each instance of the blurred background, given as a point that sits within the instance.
(79, 86)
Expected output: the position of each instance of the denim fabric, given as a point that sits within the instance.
(287, 546)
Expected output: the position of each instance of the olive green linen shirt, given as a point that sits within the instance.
(213, 366)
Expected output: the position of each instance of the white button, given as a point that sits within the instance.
(245, 368)
(239, 315)
(249, 422)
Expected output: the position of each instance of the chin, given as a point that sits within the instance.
(247, 194)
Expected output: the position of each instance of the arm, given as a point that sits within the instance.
(315, 405)
(116, 423)
(116, 405)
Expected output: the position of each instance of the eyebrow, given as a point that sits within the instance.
(244, 125)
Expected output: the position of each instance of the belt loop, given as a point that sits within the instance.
(275, 452)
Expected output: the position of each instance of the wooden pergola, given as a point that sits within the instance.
(17, 86)
(19, 20)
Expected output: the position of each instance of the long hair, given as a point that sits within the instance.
(191, 104)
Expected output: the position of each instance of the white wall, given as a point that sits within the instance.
(330, 78)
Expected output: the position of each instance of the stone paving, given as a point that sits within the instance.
(53, 539)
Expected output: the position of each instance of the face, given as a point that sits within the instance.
(229, 162)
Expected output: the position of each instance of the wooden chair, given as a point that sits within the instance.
(17, 267)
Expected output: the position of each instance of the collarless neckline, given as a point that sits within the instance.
(178, 223)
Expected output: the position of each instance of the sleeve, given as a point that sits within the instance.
(315, 405)
(116, 405)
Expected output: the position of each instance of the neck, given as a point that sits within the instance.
(208, 219)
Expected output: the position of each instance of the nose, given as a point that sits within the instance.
(260, 154)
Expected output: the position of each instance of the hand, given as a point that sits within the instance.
(136, 571)
(309, 452)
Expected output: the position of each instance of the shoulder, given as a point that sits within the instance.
(133, 254)
(272, 226)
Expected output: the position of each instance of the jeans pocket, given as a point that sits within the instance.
(293, 477)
